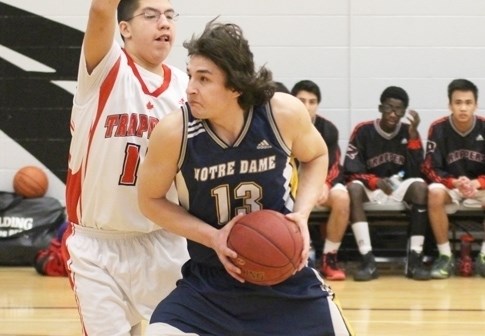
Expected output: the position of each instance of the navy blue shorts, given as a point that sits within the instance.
(208, 301)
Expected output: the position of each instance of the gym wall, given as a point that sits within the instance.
(352, 49)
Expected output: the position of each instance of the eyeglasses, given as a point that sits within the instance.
(399, 111)
(154, 15)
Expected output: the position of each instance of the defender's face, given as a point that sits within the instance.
(462, 106)
(207, 93)
(150, 33)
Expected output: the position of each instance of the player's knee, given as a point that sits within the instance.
(436, 197)
(419, 193)
(339, 199)
(356, 192)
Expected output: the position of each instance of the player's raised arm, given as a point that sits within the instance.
(99, 31)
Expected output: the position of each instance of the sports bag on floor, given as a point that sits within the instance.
(26, 226)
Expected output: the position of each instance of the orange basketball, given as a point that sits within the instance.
(268, 245)
(30, 182)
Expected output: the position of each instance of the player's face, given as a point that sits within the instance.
(392, 111)
(310, 100)
(462, 107)
(150, 33)
(207, 93)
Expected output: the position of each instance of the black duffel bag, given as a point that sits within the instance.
(26, 226)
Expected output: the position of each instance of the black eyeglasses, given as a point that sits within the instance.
(154, 15)
(399, 111)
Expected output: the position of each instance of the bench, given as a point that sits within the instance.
(390, 221)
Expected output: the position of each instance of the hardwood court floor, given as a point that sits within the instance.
(391, 305)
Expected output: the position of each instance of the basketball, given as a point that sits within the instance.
(30, 182)
(268, 247)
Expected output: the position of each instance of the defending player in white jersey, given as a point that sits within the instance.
(120, 263)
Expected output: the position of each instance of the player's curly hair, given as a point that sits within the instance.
(395, 92)
(225, 45)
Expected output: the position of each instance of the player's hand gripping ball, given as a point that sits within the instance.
(268, 247)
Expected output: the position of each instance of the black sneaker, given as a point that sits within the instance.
(367, 270)
(415, 268)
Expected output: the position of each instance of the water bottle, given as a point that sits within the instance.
(380, 197)
(396, 179)
(466, 264)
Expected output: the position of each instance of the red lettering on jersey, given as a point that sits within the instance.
(153, 123)
(111, 122)
(132, 128)
(143, 125)
(124, 125)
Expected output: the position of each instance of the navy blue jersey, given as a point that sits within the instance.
(373, 153)
(217, 181)
(451, 154)
(329, 133)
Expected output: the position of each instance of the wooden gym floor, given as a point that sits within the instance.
(390, 305)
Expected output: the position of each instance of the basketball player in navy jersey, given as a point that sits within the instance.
(231, 152)
(338, 198)
(377, 150)
(455, 167)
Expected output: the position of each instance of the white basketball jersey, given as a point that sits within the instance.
(115, 110)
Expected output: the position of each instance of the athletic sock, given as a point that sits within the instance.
(445, 249)
(330, 246)
(416, 244)
(362, 237)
